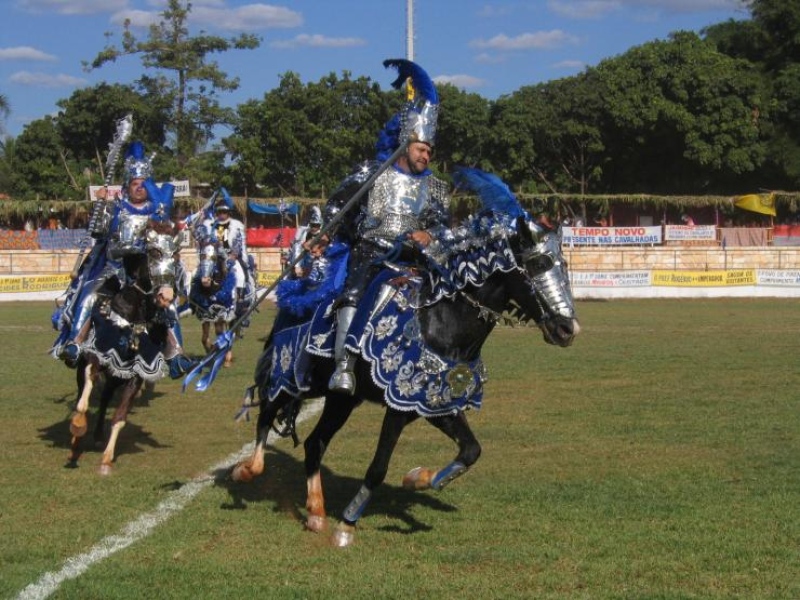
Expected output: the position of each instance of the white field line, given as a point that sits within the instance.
(140, 528)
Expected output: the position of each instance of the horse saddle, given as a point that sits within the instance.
(385, 332)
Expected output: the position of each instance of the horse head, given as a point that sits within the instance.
(211, 268)
(161, 248)
(548, 298)
(538, 287)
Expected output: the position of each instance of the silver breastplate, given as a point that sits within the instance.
(395, 204)
(129, 237)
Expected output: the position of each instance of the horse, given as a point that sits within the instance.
(419, 346)
(129, 340)
(213, 294)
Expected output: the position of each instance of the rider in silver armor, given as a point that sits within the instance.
(406, 203)
(129, 228)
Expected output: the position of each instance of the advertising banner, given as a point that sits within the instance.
(778, 277)
(704, 278)
(181, 189)
(611, 236)
(690, 233)
(610, 279)
(34, 283)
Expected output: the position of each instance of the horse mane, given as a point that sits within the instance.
(476, 250)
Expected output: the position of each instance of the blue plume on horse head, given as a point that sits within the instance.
(228, 200)
(493, 192)
(163, 198)
(422, 83)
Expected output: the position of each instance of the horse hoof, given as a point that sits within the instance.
(316, 523)
(417, 479)
(344, 536)
(72, 463)
(104, 469)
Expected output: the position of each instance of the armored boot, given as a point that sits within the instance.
(343, 379)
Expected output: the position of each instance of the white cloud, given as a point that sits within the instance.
(73, 7)
(138, 18)
(24, 53)
(541, 40)
(318, 41)
(484, 58)
(593, 9)
(460, 81)
(674, 6)
(493, 10)
(249, 17)
(584, 9)
(47, 80)
(213, 14)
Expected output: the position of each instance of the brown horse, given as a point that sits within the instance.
(127, 341)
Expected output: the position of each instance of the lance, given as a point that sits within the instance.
(224, 342)
(121, 135)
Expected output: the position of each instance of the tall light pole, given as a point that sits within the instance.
(410, 30)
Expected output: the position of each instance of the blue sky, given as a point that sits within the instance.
(490, 47)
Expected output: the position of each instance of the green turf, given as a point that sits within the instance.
(659, 457)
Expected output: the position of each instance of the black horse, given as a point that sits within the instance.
(419, 354)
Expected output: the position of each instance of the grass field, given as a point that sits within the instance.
(659, 457)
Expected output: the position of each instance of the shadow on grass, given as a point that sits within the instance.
(284, 484)
(133, 438)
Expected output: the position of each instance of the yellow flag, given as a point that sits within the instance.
(760, 203)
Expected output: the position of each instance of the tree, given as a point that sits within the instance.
(463, 134)
(39, 164)
(303, 139)
(548, 136)
(184, 77)
(680, 117)
(8, 172)
(88, 120)
(5, 110)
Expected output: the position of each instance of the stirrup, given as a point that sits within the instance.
(343, 379)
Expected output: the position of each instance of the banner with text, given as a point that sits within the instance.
(779, 277)
(34, 283)
(181, 189)
(704, 278)
(610, 279)
(611, 236)
(690, 233)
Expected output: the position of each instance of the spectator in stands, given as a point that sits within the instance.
(687, 220)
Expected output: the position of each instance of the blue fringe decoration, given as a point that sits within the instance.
(301, 297)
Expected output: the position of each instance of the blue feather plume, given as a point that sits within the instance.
(423, 84)
(493, 191)
(135, 150)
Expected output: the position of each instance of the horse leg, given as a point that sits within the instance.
(394, 421)
(457, 429)
(335, 413)
(206, 333)
(105, 402)
(221, 327)
(129, 391)
(245, 471)
(78, 424)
